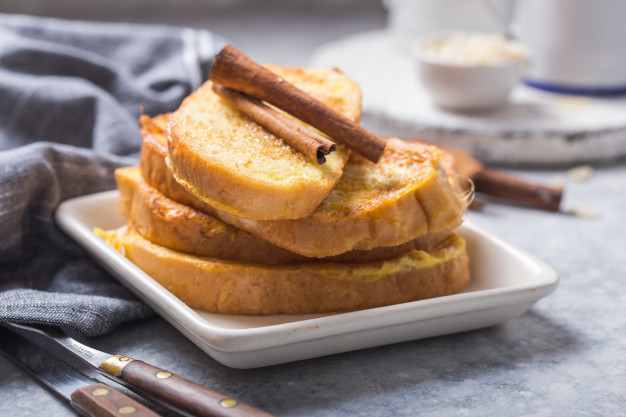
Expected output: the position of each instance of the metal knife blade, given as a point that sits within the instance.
(55, 341)
(87, 396)
(183, 394)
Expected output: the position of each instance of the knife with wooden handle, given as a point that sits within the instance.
(88, 397)
(503, 185)
(100, 400)
(187, 395)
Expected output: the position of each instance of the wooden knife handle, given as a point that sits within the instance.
(500, 184)
(100, 400)
(187, 395)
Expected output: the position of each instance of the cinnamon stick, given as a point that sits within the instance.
(233, 69)
(312, 145)
(500, 184)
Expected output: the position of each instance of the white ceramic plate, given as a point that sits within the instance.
(505, 283)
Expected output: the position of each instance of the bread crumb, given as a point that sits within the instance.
(584, 213)
(572, 102)
(557, 181)
(580, 173)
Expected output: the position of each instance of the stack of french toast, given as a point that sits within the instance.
(232, 219)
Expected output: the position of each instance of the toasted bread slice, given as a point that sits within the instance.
(223, 158)
(237, 288)
(179, 227)
(176, 226)
(405, 196)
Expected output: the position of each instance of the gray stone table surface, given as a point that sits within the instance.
(565, 357)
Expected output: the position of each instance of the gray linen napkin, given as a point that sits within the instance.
(70, 96)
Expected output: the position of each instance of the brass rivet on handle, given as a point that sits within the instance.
(127, 409)
(163, 374)
(99, 392)
(124, 359)
(228, 403)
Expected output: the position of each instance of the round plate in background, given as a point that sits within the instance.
(534, 128)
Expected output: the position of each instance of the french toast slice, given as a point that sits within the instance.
(235, 165)
(406, 195)
(176, 226)
(238, 288)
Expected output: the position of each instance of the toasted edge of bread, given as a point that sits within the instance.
(176, 226)
(227, 287)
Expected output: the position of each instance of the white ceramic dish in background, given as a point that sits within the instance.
(505, 283)
(466, 86)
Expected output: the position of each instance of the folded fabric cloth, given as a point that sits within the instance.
(70, 96)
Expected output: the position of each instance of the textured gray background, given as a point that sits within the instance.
(565, 357)
(278, 31)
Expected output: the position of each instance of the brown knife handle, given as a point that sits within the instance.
(500, 184)
(187, 395)
(100, 400)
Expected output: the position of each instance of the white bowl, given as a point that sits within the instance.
(464, 85)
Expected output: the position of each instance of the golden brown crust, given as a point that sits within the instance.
(179, 227)
(176, 226)
(226, 160)
(375, 217)
(235, 288)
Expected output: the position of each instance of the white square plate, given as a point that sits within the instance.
(506, 282)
